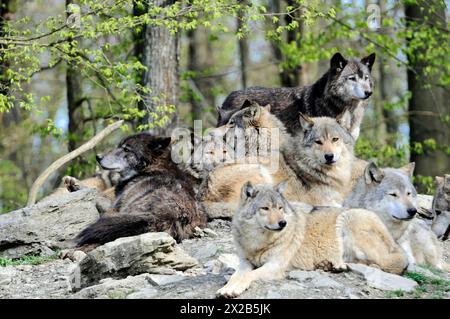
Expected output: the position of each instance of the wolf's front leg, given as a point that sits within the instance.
(242, 280)
(228, 290)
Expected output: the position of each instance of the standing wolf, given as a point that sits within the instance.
(153, 194)
(272, 237)
(347, 84)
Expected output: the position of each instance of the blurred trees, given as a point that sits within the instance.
(162, 63)
(429, 108)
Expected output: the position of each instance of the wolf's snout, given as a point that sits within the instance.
(329, 157)
(98, 157)
(411, 211)
(367, 94)
(282, 223)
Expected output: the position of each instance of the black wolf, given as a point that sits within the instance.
(346, 84)
(153, 194)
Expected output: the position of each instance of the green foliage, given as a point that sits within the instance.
(100, 48)
(11, 196)
(27, 260)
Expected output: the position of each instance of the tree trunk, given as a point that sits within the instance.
(74, 101)
(161, 57)
(243, 51)
(390, 120)
(288, 77)
(428, 105)
(193, 66)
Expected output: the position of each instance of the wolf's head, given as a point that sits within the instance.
(324, 141)
(250, 115)
(441, 207)
(265, 204)
(134, 154)
(350, 79)
(386, 191)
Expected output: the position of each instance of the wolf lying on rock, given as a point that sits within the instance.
(153, 194)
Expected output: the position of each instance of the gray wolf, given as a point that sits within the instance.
(441, 208)
(153, 194)
(347, 84)
(390, 193)
(272, 237)
(421, 239)
(318, 163)
(322, 156)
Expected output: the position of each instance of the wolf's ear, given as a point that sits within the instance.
(373, 174)
(246, 103)
(160, 143)
(248, 191)
(220, 111)
(369, 60)
(345, 119)
(338, 62)
(306, 122)
(281, 187)
(409, 169)
(267, 107)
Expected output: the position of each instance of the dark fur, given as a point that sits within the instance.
(152, 195)
(319, 99)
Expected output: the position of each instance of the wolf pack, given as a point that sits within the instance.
(280, 164)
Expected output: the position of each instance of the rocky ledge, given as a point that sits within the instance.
(152, 265)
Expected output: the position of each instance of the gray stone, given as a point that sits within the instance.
(6, 275)
(316, 279)
(145, 293)
(147, 253)
(116, 289)
(209, 232)
(229, 262)
(207, 251)
(48, 225)
(379, 279)
(162, 280)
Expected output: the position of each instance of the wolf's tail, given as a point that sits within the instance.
(109, 228)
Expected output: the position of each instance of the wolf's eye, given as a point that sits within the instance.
(438, 212)
(335, 139)
(265, 208)
(352, 78)
(408, 193)
(319, 142)
(366, 77)
(392, 194)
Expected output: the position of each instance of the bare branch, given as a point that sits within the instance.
(68, 157)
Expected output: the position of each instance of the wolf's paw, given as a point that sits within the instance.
(231, 291)
(72, 184)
